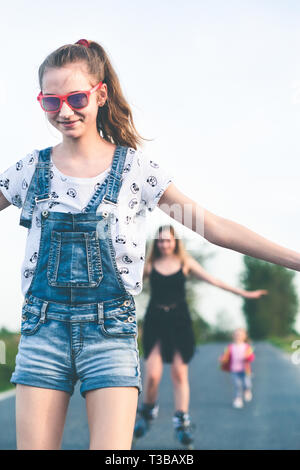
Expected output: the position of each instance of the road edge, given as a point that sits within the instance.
(7, 394)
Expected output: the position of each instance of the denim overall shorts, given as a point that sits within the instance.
(78, 319)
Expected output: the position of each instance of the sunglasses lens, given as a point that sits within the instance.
(78, 100)
(51, 103)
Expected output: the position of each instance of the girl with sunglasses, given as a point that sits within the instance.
(84, 203)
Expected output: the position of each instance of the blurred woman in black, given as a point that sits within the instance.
(167, 335)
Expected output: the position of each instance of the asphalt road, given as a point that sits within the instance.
(270, 421)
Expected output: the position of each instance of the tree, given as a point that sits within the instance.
(274, 313)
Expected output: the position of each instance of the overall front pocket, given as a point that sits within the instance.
(120, 325)
(74, 259)
(30, 323)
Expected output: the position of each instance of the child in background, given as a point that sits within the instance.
(236, 359)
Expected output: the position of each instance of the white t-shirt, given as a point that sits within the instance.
(144, 182)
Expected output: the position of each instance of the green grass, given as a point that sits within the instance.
(11, 341)
(285, 342)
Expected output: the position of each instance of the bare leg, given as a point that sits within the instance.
(153, 373)
(40, 417)
(111, 413)
(179, 373)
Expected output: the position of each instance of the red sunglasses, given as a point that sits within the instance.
(76, 100)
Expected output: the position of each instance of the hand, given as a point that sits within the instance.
(254, 294)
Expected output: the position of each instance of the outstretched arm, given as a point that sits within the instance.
(224, 232)
(3, 202)
(196, 270)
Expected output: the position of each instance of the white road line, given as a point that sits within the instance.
(7, 394)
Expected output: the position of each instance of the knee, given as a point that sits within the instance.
(153, 377)
(178, 375)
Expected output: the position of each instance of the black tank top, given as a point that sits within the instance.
(166, 289)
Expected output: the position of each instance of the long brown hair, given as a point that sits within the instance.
(114, 119)
(154, 252)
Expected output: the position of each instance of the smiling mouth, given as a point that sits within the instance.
(68, 122)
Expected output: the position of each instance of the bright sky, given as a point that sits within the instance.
(216, 85)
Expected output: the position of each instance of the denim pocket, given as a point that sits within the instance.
(74, 259)
(120, 324)
(30, 323)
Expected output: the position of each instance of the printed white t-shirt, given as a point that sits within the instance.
(144, 182)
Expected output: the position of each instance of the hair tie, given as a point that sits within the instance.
(84, 42)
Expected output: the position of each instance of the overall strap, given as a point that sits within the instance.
(115, 176)
(113, 182)
(38, 190)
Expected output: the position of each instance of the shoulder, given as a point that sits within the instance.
(15, 179)
(186, 266)
(138, 160)
(25, 167)
(148, 268)
(146, 177)
(24, 163)
(141, 161)
(189, 264)
(138, 156)
(30, 158)
(22, 168)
